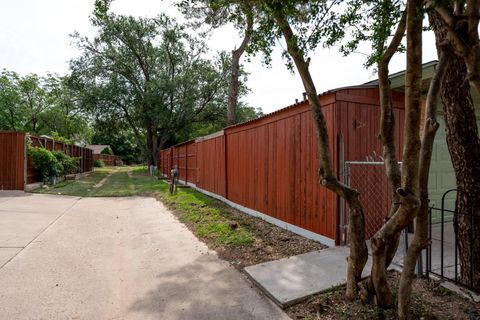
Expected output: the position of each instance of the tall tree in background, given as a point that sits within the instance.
(11, 113)
(159, 71)
(218, 13)
(42, 106)
(33, 97)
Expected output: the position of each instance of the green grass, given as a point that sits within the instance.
(208, 218)
(81, 188)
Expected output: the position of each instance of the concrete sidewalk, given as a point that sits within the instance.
(24, 216)
(115, 258)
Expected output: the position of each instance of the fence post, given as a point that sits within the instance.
(186, 164)
(25, 161)
(171, 161)
(226, 163)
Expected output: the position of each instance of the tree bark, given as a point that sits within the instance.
(387, 130)
(461, 23)
(420, 239)
(234, 82)
(408, 193)
(356, 227)
(464, 147)
(387, 137)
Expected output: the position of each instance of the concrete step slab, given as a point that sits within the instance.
(291, 280)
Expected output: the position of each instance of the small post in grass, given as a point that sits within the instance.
(173, 179)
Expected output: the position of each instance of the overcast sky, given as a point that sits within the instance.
(35, 39)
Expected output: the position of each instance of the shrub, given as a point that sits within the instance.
(67, 164)
(52, 163)
(107, 150)
(98, 163)
(45, 162)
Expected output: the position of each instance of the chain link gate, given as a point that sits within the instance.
(370, 180)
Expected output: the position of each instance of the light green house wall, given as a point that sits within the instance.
(442, 175)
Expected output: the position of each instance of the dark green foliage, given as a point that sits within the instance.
(151, 75)
(52, 163)
(364, 21)
(107, 150)
(41, 105)
(45, 162)
(98, 163)
(116, 133)
(67, 164)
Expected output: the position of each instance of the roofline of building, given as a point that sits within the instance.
(361, 86)
(403, 72)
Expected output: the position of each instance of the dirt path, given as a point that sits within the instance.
(121, 258)
(102, 182)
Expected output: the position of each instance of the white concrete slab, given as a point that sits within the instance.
(7, 253)
(25, 216)
(293, 279)
(38, 203)
(125, 258)
(6, 195)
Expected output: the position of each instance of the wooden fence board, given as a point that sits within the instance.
(12, 160)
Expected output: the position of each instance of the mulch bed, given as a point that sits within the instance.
(271, 243)
(429, 301)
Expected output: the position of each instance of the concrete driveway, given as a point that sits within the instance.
(113, 258)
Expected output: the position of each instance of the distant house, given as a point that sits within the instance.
(98, 148)
(108, 159)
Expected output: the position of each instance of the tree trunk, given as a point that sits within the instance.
(464, 147)
(420, 240)
(34, 123)
(387, 137)
(387, 130)
(152, 144)
(408, 193)
(234, 82)
(356, 226)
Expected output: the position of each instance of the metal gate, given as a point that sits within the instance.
(370, 180)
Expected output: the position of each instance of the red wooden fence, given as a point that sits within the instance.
(108, 159)
(12, 160)
(16, 169)
(270, 165)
